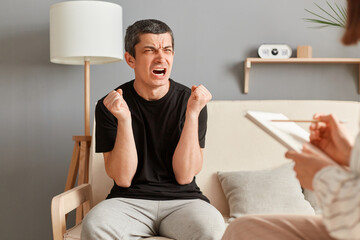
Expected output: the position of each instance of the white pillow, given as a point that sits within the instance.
(275, 191)
(311, 198)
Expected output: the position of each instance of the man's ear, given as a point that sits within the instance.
(130, 60)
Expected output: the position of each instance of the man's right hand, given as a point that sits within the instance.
(116, 104)
(332, 138)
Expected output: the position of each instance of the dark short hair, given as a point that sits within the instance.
(134, 31)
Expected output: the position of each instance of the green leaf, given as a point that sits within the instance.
(336, 16)
(342, 10)
(317, 15)
(322, 22)
(326, 12)
(338, 19)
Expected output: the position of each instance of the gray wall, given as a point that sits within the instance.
(42, 103)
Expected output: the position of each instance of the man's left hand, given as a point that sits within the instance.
(199, 97)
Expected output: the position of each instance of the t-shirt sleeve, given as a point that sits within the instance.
(106, 127)
(202, 126)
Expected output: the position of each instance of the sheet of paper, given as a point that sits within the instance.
(289, 134)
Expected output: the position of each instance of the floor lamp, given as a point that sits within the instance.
(84, 33)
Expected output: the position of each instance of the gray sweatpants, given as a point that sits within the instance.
(126, 218)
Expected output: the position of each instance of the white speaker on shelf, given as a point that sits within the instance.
(274, 51)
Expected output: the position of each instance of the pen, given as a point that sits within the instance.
(297, 120)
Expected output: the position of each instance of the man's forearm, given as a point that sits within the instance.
(121, 162)
(187, 159)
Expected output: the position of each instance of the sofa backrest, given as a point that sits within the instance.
(235, 143)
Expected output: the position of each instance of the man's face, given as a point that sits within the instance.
(154, 58)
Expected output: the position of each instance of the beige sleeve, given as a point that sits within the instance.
(338, 193)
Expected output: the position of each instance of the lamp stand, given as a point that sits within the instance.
(79, 165)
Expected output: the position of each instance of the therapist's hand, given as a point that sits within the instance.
(332, 138)
(307, 164)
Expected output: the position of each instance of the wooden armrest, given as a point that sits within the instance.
(65, 203)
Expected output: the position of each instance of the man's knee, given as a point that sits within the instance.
(197, 220)
(213, 232)
(210, 228)
(96, 225)
(90, 227)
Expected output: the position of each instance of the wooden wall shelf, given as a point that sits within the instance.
(249, 61)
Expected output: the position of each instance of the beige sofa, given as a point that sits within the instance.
(233, 143)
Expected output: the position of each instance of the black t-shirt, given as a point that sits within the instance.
(157, 126)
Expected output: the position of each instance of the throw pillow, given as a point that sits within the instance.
(311, 198)
(275, 191)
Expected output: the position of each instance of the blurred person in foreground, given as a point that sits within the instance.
(333, 175)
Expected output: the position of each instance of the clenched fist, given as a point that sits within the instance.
(116, 104)
(199, 97)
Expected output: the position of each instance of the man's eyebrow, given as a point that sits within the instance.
(152, 47)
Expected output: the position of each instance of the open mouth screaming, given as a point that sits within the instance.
(159, 71)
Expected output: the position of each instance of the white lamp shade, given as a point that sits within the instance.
(85, 30)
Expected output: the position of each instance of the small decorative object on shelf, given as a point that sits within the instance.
(304, 52)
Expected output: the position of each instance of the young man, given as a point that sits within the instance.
(152, 133)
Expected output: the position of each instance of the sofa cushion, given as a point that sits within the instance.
(311, 198)
(264, 192)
